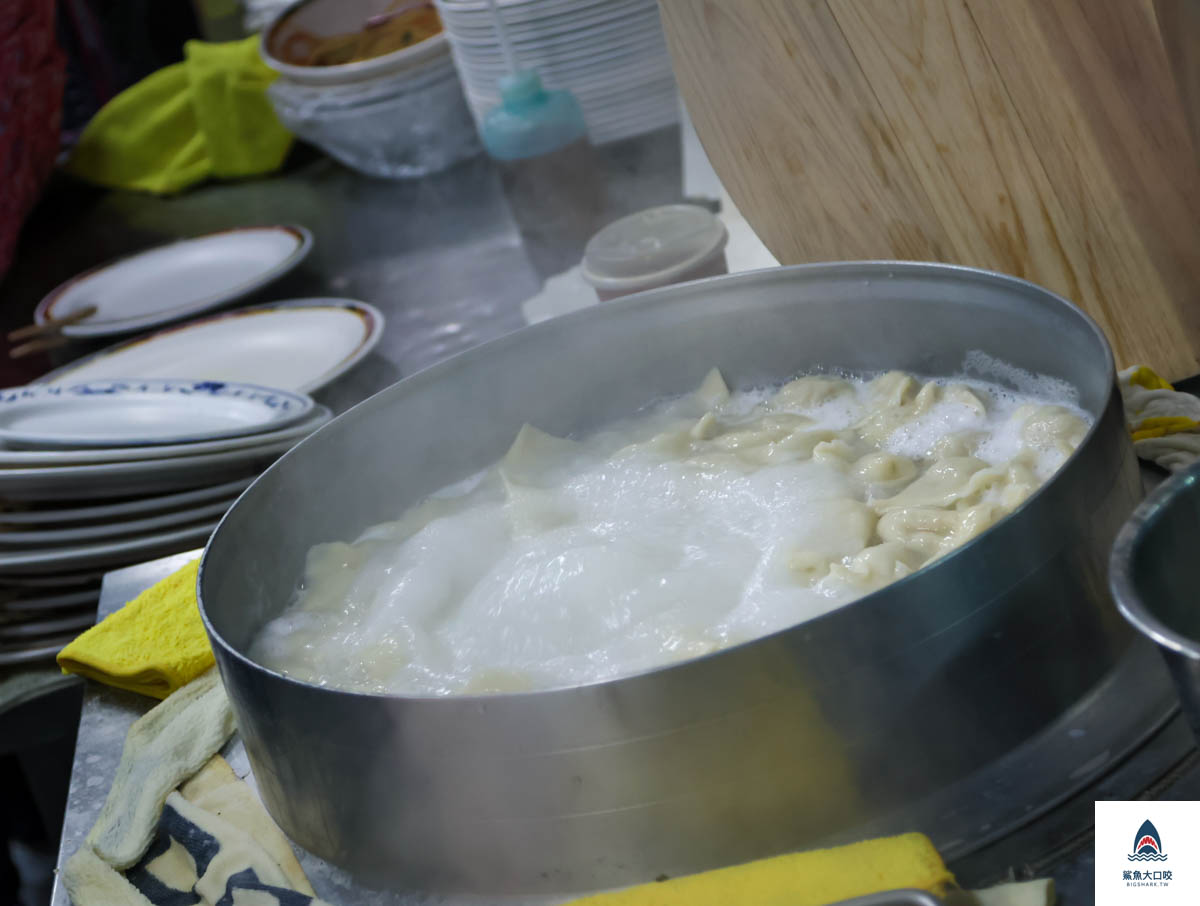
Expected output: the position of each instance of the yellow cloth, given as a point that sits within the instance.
(153, 645)
(1147, 378)
(813, 878)
(1162, 426)
(207, 116)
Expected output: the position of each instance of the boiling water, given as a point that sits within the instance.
(701, 522)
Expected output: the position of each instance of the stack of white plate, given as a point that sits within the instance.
(136, 451)
(611, 54)
(100, 474)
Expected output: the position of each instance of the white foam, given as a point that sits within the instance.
(632, 548)
(1037, 386)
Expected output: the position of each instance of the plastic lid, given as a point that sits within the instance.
(652, 247)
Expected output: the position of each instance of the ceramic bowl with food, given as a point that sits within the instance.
(331, 42)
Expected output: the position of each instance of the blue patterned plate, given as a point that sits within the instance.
(133, 412)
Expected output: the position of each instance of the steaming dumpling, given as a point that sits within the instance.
(962, 396)
(924, 529)
(885, 473)
(945, 482)
(703, 521)
(1053, 428)
(961, 443)
(810, 392)
(835, 452)
(893, 390)
(712, 390)
(874, 567)
(536, 457)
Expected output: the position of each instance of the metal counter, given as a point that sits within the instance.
(1166, 766)
(440, 256)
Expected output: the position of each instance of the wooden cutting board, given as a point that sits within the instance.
(1042, 138)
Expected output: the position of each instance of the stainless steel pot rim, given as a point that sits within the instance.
(1129, 602)
(871, 269)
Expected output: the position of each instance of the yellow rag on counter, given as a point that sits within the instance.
(208, 116)
(813, 878)
(153, 645)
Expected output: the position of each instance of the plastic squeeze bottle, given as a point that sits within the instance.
(548, 170)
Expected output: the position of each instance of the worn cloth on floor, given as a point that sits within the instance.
(165, 746)
(208, 843)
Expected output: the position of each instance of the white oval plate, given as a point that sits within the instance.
(124, 412)
(78, 534)
(297, 432)
(173, 281)
(106, 554)
(142, 477)
(60, 516)
(298, 345)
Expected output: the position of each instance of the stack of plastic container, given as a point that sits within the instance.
(611, 54)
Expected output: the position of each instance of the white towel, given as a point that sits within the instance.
(1164, 423)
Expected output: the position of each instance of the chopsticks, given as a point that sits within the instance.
(46, 336)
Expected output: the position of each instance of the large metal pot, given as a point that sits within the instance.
(811, 734)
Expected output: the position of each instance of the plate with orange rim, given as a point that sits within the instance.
(299, 345)
(176, 280)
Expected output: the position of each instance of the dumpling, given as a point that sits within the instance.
(892, 390)
(845, 527)
(712, 390)
(706, 427)
(962, 395)
(926, 399)
(535, 455)
(977, 519)
(802, 443)
(884, 473)
(960, 443)
(808, 567)
(874, 567)
(1019, 483)
(532, 511)
(895, 400)
(945, 482)
(810, 392)
(925, 529)
(745, 439)
(835, 452)
(1052, 428)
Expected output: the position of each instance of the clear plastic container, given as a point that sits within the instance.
(656, 247)
(398, 125)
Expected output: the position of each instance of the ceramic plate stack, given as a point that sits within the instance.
(611, 53)
(99, 474)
